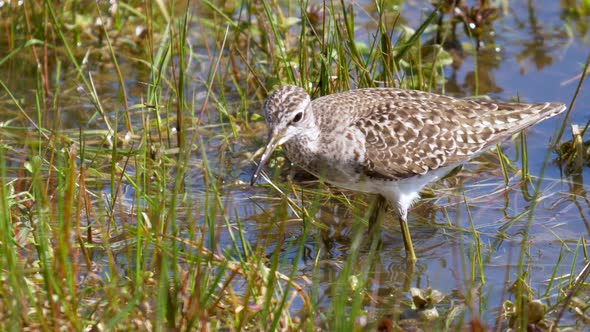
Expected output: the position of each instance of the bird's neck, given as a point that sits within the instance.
(306, 143)
(310, 137)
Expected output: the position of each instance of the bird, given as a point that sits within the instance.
(390, 142)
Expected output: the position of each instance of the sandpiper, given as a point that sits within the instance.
(389, 142)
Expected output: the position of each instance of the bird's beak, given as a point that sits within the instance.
(273, 142)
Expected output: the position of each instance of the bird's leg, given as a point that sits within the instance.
(403, 222)
(377, 207)
(375, 214)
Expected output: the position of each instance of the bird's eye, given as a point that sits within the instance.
(297, 117)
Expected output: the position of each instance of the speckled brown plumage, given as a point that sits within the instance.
(389, 141)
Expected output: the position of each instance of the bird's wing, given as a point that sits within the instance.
(409, 133)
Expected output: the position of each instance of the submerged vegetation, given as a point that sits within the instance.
(128, 130)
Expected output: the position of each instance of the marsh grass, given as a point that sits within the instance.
(126, 217)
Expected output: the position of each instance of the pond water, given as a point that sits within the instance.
(536, 54)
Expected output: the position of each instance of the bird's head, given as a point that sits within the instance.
(288, 113)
